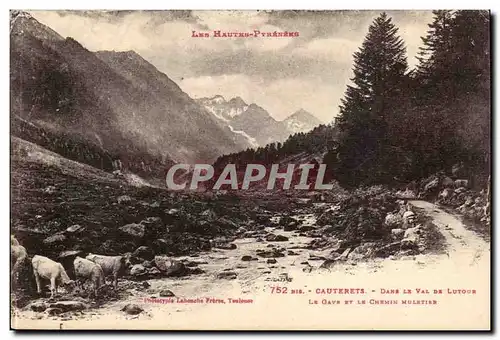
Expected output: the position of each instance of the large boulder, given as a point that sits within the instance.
(154, 271)
(270, 253)
(411, 237)
(227, 275)
(227, 223)
(461, 183)
(431, 188)
(132, 309)
(38, 306)
(138, 270)
(393, 220)
(397, 233)
(276, 238)
(75, 229)
(409, 218)
(363, 251)
(153, 227)
(209, 215)
(447, 182)
(166, 293)
(169, 266)
(144, 252)
(124, 199)
(133, 229)
(55, 239)
(291, 226)
(445, 194)
(69, 306)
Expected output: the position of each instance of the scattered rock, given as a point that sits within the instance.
(154, 271)
(344, 255)
(292, 253)
(166, 293)
(271, 261)
(124, 199)
(270, 253)
(307, 269)
(392, 220)
(195, 271)
(388, 249)
(144, 252)
(57, 238)
(38, 306)
(306, 228)
(227, 246)
(69, 306)
(291, 226)
(133, 229)
(50, 189)
(69, 253)
(447, 182)
(363, 251)
(209, 214)
(276, 238)
(172, 212)
(148, 264)
(75, 229)
(228, 275)
(132, 309)
(411, 238)
(397, 233)
(316, 258)
(138, 270)
(53, 311)
(329, 263)
(246, 258)
(170, 267)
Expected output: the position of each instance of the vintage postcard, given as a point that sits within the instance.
(250, 170)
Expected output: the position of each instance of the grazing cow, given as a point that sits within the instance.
(13, 241)
(45, 268)
(86, 270)
(111, 265)
(17, 256)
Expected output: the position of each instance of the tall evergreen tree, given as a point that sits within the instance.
(434, 53)
(380, 75)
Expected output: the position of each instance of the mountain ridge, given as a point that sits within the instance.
(255, 121)
(114, 101)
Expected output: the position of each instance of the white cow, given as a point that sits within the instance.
(45, 268)
(17, 255)
(86, 270)
(111, 265)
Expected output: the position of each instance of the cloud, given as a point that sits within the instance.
(280, 74)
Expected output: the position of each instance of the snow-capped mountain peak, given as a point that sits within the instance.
(222, 109)
(301, 121)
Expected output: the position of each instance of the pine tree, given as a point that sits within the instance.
(453, 99)
(435, 52)
(380, 72)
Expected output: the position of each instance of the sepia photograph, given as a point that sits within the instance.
(250, 170)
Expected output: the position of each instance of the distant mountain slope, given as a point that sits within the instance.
(298, 149)
(258, 123)
(113, 101)
(255, 121)
(222, 109)
(301, 121)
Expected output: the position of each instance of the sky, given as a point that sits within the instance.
(281, 75)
